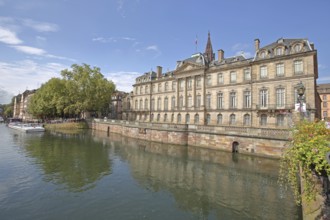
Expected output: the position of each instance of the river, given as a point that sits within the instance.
(95, 175)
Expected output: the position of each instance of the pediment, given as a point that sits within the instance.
(188, 67)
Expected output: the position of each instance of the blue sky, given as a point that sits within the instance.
(125, 38)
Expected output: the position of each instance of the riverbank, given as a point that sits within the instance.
(66, 126)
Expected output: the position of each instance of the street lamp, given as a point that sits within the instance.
(301, 91)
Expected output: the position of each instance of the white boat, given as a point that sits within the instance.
(26, 127)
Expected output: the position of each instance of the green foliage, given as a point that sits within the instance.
(81, 89)
(305, 158)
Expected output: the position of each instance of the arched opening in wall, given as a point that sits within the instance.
(108, 131)
(234, 148)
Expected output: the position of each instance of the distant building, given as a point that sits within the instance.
(116, 105)
(324, 92)
(232, 91)
(21, 102)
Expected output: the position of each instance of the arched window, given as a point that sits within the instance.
(280, 120)
(152, 104)
(263, 120)
(141, 104)
(179, 118)
(172, 118)
(173, 102)
(219, 119)
(159, 104)
(196, 120)
(166, 104)
(158, 117)
(232, 119)
(136, 104)
(165, 117)
(247, 119)
(208, 119)
(152, 117)
(187, 118)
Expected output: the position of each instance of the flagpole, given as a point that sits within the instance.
(196, 43)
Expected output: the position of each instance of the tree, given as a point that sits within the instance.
(304, 158)
(81, 89)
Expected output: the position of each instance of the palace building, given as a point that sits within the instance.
(232, 91)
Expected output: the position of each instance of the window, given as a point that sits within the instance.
(325, 114)
(180, 102)
(196, 119)
(232, 77)
(247, 74)
(141, 90)
(189, 101)
(172, 117)
(152, 117)
(159, 104)
(263, 98)
(158, 117)
(189, 83)
(280, 120)
(166, 86)
(146, 104)
(187, 118)
(263, 72)
(232, 119)
(173, 85)
(198, 81)
(166, 104)
(165, 117)
(280, 69)
(136, 105)
(208, 101)
(152, 104)
(208, 119)
(279, 51)
(247, 99)
(298, 66)
(208, 80)
(173, 102)
(179, 118)
(263, 120)
(325, 104)
(153, 88)
(297, 48)
(233, 101)
(280, 97)
(146, 89)
(181, 84)
(159, 87)
(247, 120)
(141, 104)
(219, 119)
(198, 101)
(220, 100)
(263, 54)
(324, 97)
(220, 78)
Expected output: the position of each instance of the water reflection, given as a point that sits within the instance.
(207, 182)
(71, 160)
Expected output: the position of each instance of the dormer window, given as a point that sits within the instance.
(263, 54)
(279, 51)
(297, 48)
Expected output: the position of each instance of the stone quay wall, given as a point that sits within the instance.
(258, 141)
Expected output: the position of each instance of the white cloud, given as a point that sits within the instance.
(18, 76)
(112, 39)
(30, 50)
(8, 37)
(123, 79)
(155, 49)
(40, 26)
(240, 46)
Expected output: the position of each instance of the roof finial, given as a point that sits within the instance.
(208, 50)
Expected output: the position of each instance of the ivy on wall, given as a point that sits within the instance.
(305, 158)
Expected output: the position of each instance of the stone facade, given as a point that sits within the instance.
(324, 92)
(236, 91)
(21, 102)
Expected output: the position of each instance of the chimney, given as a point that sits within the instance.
(159, 71)
(221, 55)
(257, 44)
(312, 45)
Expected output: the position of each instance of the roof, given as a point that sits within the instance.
(323, 88)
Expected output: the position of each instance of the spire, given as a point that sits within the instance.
(208, 50)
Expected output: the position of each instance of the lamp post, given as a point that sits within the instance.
(301, 91)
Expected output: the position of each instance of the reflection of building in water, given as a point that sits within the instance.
(207, 181)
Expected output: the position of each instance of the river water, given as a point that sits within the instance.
(95, 175)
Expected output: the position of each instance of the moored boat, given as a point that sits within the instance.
(26, 127)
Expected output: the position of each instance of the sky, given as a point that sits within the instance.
(126, 38)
